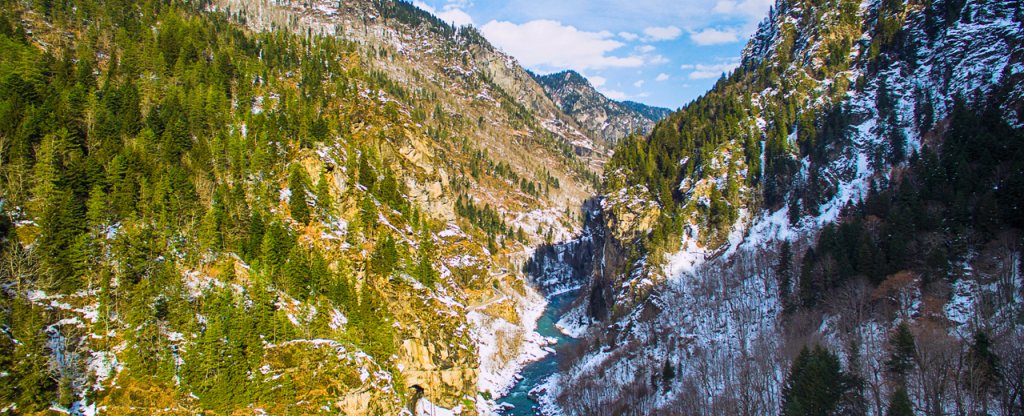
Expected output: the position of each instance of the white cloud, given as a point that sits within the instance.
(708, 71)
(451, 13)
(712, 36)
(628, 36)
(657, 34)
(615, 95)
(639, 83)
(686, 66)
(657, 60)
(597, 81)
(749, 8)
(550, 45)
(662, 77)
(646, 48)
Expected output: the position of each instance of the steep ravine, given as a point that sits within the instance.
(563, 273)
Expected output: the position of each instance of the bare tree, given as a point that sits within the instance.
(67, 359)
(937, 355)
(1010, 347)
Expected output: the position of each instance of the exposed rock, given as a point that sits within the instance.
(602, 117)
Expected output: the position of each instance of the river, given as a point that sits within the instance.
(535, 373)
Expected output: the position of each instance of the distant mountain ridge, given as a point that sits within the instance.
(652, 113)
(608, 119)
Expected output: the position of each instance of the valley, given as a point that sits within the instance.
(357, 207)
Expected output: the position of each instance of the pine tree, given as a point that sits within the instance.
(815, 385)
(33, 385)
(96, 207)
(425, 272)
(323, 195)
(794, 211)
(368, 215)
(296, 273)
(899, 404)
(61, 254)
(384, 259)
(297, 202)
(903, 353)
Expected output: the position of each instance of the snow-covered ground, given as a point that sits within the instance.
(504, 348)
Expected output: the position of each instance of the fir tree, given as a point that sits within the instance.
(297, 202)
(815, 385)
(899, 404)
(425, 272)
(323, 195)
(903, 353)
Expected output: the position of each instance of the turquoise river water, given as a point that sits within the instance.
(521, 404)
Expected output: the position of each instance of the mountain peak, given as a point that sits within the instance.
(606, 118)
(569, 77)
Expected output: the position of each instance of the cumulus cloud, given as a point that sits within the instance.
(615, 95)
(639, 83)
(646, 48)
(657, 34)
(708, 71)
(749, 8)
(629, 36)
(657, 60)
(550, 45)
(712, 36)
(451, 13)
(597, 81)
(662, 77)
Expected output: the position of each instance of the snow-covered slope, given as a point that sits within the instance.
(705, 333)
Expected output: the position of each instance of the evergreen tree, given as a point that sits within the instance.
(297, 202)
(794, 211)
(384, 259)
(368, 215)
(899, 404)
(296, 273)
(425, 272)
(815, 385)
(323, 195)
(902, 353)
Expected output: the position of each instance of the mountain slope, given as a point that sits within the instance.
(654, 114)
(270, 207)
(715, 274)
(608, 120)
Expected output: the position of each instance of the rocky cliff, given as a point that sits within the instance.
(602, 117)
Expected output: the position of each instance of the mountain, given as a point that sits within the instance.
(607, 120)
(308, 207)
(654, 114)
(276, 207)
(845, 200)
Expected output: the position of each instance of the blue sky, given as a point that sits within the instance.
(659, 52)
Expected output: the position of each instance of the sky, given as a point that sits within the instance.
(658, 52)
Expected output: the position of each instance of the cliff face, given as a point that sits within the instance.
(603, 118)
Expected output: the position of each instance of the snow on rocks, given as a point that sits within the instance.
(504, 348)
(575, 322)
